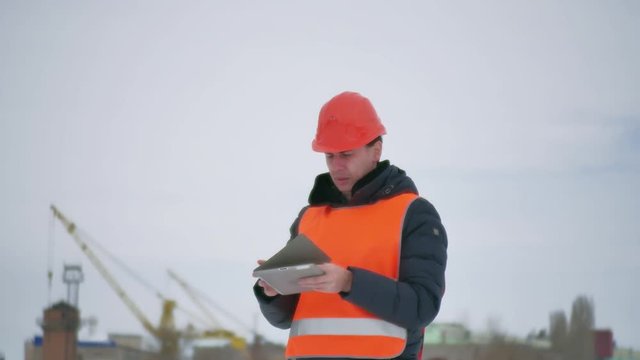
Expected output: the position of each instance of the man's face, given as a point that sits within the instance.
(347, 167)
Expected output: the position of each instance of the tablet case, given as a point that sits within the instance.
(293, 262)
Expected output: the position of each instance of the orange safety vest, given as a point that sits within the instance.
(367, 237)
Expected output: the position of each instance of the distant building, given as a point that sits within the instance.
(603, 342)
(128, 341)
(452, 341)
(92, 350)
(259, 350)
(625, 354)
(59, 341)
(447, 333)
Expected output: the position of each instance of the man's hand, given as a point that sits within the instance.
(335, 279)
(268, 290)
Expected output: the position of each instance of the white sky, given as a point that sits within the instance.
(178, 136)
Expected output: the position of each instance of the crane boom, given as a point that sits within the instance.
(237, 342)
(71, 229)
(190, 292)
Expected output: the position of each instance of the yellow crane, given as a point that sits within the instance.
(166, 333)
(237, 342)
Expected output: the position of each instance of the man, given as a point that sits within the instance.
(387, 246)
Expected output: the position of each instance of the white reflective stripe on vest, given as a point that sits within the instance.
(346, 326)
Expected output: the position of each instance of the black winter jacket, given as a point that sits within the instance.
(411, 302)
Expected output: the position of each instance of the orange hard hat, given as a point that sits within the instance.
(348, 121)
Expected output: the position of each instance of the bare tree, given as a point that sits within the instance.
(580, 337)
(494, 329)
(558, 331)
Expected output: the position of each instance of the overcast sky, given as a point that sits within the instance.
(177, 135)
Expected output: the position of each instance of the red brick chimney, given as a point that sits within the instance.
(60, 327)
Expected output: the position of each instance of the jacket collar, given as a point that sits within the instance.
(385, 180)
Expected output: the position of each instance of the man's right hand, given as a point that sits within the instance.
(266, 288)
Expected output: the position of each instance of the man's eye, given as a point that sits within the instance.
(346, 155)
(329, 156)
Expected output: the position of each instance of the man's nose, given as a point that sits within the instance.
(337, 163)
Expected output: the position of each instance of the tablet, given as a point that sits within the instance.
(285, 279)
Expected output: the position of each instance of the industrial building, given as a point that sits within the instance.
(61, 321)
(59, 342)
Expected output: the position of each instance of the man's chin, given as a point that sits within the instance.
(342, 185)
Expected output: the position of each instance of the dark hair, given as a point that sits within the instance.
(374, 141)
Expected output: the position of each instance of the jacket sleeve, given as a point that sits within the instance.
(279, 309)
(414, 300)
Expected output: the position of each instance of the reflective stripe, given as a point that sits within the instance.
(346, 326)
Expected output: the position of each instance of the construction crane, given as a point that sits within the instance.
(237, 342)
(165, 332)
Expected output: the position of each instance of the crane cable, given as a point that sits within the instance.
(50, 257)
(135, 276)
(127, 269)
(219, 308)
(120, 263)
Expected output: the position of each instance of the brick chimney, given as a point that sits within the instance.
(60, 326)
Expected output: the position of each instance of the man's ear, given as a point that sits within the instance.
(377, 150)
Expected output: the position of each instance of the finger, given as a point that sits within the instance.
(260, 262)
(265, 286)
(313, 280)
(325, 267)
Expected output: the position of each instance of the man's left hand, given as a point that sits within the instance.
(335, 279)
